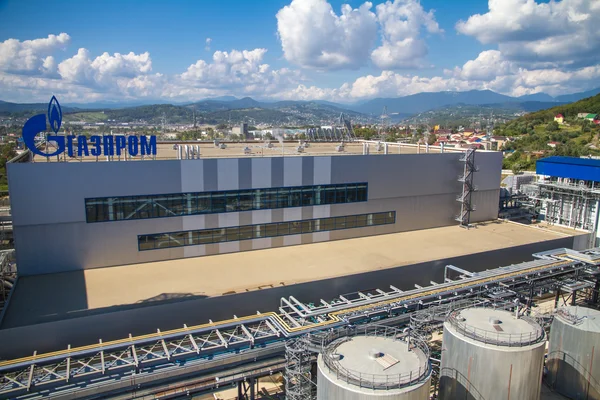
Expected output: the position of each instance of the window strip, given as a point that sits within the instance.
(246, 232)
(198, 203)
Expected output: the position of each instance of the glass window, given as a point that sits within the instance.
(340, 222)
(259, 231)
(269, 199)
(205, 236)
(295, 197)
(379, 219)
(318, 199)
(361, 220)
(271, 230)
(169, 205)
(340, 195)
(219, 235)
(245, 232)
(178, 239)
(283, 228)
(307, 226)
(327, 224)
(161, 241)
(283, 195)
(203, 203)
(194, 237)
(295, 228)
(246, 200)
(351, 221)
(307, 196)
(233, 233)
(146, 242)
(350, 193)
(328, 195)
(217, 202)
(361, 192)
(232, 201)
(390, 217)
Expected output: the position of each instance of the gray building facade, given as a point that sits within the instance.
(54, 231)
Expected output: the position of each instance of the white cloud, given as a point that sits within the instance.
(312, 35)
(31, 56)
(242, 71)
(207, 42)
(562, 33)
(401, 25)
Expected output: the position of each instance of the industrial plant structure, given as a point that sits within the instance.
(136, 277)
(116, 213)
(568, 194)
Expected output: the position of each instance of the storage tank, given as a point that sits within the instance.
(574, 353)
(491, 354)
(373, 363)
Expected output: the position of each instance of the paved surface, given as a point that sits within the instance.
(45, 298)
(259, 149)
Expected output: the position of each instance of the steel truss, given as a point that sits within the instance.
(300, 382)
(150, 354)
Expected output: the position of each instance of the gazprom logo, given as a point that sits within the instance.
(80, 145)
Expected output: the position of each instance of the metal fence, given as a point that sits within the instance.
(375, 381)
(536, 335)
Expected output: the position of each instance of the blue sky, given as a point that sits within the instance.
(158, 50)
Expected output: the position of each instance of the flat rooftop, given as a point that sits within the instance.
(168, 151)
(52, 297)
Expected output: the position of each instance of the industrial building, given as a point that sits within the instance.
(131, 212)
(568, 194)
(138, 275)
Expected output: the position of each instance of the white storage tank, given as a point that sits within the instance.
(574, 353)
(491, 354)
(373, 363)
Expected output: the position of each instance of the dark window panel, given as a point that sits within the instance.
(361, 192)
(295, 228)
(283, 228)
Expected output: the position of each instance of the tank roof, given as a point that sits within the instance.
(392, 357)
(496, 327)
(586, 319)
(374, 357)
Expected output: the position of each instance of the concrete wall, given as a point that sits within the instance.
(475, 371)
(328, 388)
(51, 234)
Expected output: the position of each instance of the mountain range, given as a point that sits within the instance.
(398, 107)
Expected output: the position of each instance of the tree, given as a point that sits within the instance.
(552, 126)
(431, 139)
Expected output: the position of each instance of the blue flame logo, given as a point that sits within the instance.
(54, 114)
(37, 124)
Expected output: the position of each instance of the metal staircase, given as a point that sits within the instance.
(468, 188)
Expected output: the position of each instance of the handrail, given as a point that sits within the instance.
(375, 381)
(495, 337)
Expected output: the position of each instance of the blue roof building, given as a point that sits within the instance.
(586, 169)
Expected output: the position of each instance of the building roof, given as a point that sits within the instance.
(570, 167)
(240, 283)
(591, 115)
(559, 116)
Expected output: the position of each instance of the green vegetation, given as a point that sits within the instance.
(537, 135)
(7, 152)
(88, 116)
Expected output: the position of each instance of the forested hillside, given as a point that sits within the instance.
(537, 135)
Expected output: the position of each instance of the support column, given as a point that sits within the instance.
(595, 295)
(574, 298)
(252, 389)
(556, 297)
(240, 395)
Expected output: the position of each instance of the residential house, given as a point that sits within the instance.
(559, 118)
